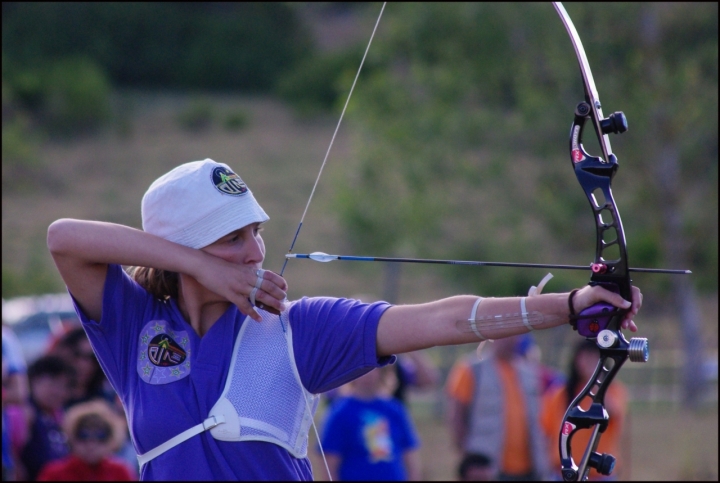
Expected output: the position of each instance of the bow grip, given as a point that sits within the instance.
(596, 318)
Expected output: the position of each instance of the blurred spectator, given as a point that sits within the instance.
(14, 396)
(50, 378)
(530, 351)
(494, 411)
(414, 370)
(556, 401)
(14, 375)
(94, 432)
(90, 381)
(475, 467)
(368, 435)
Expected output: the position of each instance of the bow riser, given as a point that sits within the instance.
(595, 177)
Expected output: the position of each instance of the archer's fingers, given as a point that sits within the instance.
(271, 289)
(600, 294)
(266, 301)
(275, 280)
(637, 300)
(628, 322)
(268, 292)
(244, 305)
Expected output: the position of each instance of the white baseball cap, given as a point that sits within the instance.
(198, 203)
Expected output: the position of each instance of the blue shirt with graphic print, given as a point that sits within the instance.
(168, 378)
(370, 437)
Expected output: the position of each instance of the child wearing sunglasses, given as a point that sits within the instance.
(94, 432)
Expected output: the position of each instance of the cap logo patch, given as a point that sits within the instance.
(228, 182)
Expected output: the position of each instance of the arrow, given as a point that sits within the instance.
(324, 257)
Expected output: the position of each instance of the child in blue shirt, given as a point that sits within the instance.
(368, 434)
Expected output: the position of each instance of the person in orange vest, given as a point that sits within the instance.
(494, 413)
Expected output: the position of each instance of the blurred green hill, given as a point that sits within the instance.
(168, 45)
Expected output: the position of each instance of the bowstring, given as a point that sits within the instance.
(312, 193)
(332, 140)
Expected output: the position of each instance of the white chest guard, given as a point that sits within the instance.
(263, 399)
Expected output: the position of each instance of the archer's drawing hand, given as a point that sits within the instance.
(590, 295)
(236, 283)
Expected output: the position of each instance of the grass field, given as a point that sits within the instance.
(279, 157)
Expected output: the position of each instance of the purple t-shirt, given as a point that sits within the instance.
(168, 377)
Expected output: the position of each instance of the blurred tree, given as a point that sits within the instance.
(62, 97)
(463, 89)
(210, 45)
(76, 96)
(442, 117)
(678, 49)
(314, 85)
(465, 124)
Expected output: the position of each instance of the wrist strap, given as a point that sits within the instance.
(523, 312)
(473, 325)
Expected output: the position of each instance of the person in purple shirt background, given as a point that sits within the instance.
(217, 371)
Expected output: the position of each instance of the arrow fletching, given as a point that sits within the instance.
(322, 257)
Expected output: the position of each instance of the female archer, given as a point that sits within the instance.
(217, 371)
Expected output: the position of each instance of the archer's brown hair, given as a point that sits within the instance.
(161, 284)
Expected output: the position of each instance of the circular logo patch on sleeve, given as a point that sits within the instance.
(164, 354)
(228, 182)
